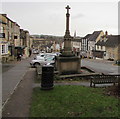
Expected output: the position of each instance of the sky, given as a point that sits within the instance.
(49, 18)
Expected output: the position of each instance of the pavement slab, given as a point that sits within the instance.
(19, 103)
(12, 77)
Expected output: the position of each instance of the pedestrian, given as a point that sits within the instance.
(30, 52)
(19, 56)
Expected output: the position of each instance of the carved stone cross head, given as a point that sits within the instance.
(67, 8)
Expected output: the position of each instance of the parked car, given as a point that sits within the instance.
(35, 51)
(118, 62)
(40, 56)
(58, 53)
(110, 59)
(49, 60)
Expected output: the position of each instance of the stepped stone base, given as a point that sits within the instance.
(68, 65)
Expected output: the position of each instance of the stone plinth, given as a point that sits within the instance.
(68, 65)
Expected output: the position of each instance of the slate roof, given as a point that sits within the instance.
(112, 41)
(87, 36)
(101, 43)
(94, 36)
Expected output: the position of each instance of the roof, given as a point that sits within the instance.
(101, 43)
(112, 41)
(87, 36)
(94, 36)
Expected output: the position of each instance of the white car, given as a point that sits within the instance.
(50, 60)
(40, 57)
(35, 51)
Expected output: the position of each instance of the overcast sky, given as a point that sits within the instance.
(50, 17)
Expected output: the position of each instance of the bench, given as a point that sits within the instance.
(104, 79)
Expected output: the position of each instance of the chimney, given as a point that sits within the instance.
(106, 33)
(5, 15)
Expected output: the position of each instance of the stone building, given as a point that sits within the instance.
(25, 42)
(16, 34)
(76, 45)
(11, 45)
(108, 47)
(6, 38)
(38, 43)
(112, 47)
(3, 38)
(93, 39)
(57, 46)
(22, 38)
(100, 51)
(43, 44)
(12, 39)
(31, 42)
(84, 45)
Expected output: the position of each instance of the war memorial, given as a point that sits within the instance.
(68, 63)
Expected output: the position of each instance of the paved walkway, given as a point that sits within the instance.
(12, 77)
(19, 103)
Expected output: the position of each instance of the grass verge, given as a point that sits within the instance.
(73, 101)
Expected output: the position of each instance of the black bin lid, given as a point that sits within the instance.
(47, 68)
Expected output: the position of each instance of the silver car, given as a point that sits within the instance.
(49, 60)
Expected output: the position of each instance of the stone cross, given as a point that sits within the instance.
(67, 8)
(67, 37)
(67, 20)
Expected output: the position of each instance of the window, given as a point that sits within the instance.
(15, 37)
(104, 53)
(97, 47)
(113, 56)
(82, 40)
(3, 49)
(92, 48)
(2, 35)
(105, 39)
(89, 47)
(1, 29)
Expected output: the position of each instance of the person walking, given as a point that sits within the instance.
(30, 52)
(19, 56)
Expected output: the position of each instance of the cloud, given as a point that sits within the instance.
(78, 16)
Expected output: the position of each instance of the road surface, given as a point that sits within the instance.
(101, 66)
